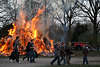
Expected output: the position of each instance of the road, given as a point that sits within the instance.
(4, 62)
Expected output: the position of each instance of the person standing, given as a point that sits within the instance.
(85, 54)
(27, 51)
(31, 52)
(68, 52)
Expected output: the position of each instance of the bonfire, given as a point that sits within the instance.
(26, 30)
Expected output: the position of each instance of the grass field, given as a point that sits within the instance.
(73, 65)
(91, 53)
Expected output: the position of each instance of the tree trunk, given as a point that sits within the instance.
(69, 33)
(95, 33)
(65, 36)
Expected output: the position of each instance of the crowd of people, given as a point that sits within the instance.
(62, 52)
(31, 54)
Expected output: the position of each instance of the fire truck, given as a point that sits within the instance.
(79, 45)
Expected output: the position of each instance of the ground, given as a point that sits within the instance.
(42, 62)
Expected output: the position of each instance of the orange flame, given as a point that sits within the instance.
(12, 31)
(35, 33)
(26, 30)
(52, 47)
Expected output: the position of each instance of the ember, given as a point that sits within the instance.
(26, 30)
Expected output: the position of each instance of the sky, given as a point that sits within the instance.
(20, 1)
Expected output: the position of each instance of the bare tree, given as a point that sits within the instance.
(66, 17)
(31, 7)
(91, 10)
(8, 13)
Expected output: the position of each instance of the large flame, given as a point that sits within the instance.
(12, 31)
(26, 30)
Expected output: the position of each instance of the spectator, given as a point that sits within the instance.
(15, 54)
(56, 54)
(62, 53)
(85, 53)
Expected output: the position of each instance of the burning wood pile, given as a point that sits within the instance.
(26, 30)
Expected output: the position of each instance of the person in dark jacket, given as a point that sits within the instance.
(62, 53)
(85, 54)
(15, 53)
(56, 54)
(27, 51)
(68, 53)
(31, 52)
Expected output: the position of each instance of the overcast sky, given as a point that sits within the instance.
(20, 1)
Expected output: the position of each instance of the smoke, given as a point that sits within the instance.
(45, 26)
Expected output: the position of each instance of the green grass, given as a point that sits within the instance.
(3, 57)
(73, 65)
(91, 53)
